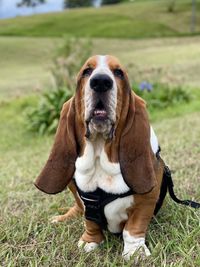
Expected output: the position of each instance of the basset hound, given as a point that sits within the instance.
(107, 153)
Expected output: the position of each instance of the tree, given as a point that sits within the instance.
(30, 3)
(110, 2)
(77, 3)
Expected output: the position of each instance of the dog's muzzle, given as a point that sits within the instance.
(101, 119)
(100, 84)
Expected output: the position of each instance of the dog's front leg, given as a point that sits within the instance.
(136, 226)
(92, 237)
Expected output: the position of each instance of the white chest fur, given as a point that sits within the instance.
(116, 212)
(93, 169)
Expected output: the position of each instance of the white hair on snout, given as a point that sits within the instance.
(90, 100)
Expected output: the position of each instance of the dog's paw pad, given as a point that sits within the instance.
(87, 246)
(140, 253)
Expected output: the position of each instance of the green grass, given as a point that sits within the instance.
(25, 61)
(24, 65)
(26, 236)
(28, 239)
(140, 19)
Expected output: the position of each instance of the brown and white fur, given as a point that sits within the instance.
(104, 140)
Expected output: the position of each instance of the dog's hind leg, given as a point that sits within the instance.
(73, 212)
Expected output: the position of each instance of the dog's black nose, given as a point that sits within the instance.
(101, 83)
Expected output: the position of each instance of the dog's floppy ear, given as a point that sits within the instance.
(135, 154)
(60, 166)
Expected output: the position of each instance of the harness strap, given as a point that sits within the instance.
(168, 177)
(163, 192)
(111, 197)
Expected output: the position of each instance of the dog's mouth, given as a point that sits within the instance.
(99, 121)
(100, 112)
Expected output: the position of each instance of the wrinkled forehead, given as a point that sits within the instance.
(103, 62)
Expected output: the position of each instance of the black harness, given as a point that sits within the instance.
(95, 202)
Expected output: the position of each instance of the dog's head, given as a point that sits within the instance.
(103, 82)
(104, 105)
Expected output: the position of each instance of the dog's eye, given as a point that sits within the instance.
(118, 73)
(87, 72)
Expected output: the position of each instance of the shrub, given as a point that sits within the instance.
(44, 118)
(160, 96)
(77, 3)
(110, 2)
(69, 58)
(171, 6)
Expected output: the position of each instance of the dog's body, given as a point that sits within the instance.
(105, 143)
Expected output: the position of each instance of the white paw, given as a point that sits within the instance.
(134, 245)
(87, 246)
(56, 219)
(141, 253)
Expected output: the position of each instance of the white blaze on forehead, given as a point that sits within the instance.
(102, 66)
(102, 62)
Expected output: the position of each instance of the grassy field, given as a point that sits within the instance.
(26, 236)
(25, 61)
(24, 65)
(139, 19)
(28, 239)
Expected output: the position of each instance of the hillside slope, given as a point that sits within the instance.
(139, 19)
(25, 61)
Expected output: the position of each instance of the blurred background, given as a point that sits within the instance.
(43, 44)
